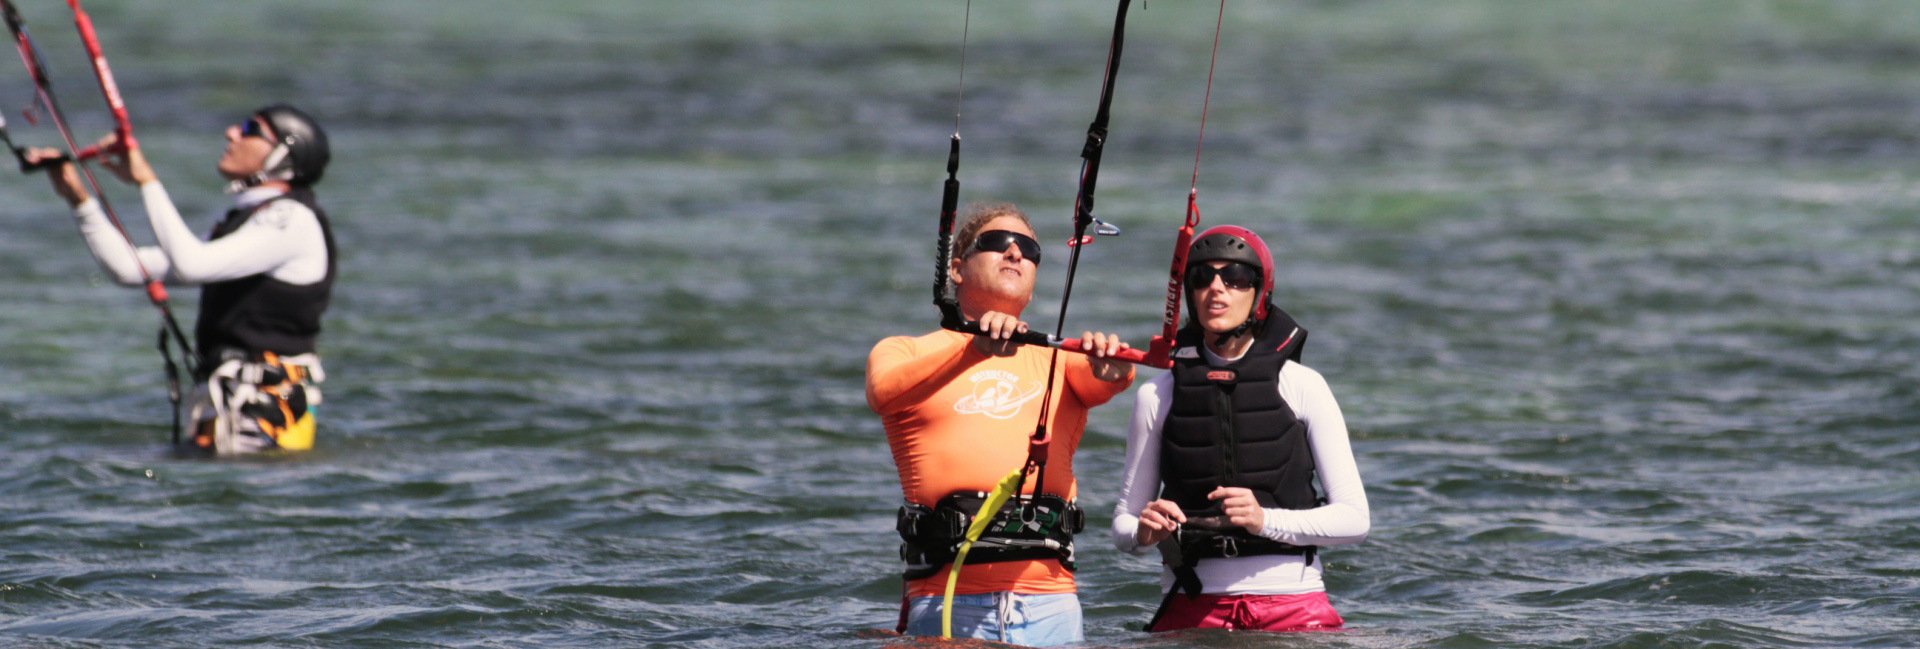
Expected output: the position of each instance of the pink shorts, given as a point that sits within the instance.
(1304, 612)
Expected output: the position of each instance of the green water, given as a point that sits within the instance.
(1617, 299)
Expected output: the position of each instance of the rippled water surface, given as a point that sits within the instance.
(1618, 298)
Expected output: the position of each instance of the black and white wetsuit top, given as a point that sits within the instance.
(282, 242)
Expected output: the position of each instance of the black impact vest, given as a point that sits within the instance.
(1228, 426)
(258, 313)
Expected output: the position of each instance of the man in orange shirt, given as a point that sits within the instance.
(959, 410)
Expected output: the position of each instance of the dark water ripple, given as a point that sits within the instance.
(1617, 298)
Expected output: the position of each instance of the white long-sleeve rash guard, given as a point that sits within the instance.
(1344, 519)
(283, 240)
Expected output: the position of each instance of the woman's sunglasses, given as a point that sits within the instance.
(1000, 240)
(1233, 275)
(250, 127)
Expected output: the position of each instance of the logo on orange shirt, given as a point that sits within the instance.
(996, 394)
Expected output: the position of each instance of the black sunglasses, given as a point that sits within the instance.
(250, 127)
(1000, 240)
(1233, 275)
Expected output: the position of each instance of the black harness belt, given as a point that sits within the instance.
(1025, 529)
(1212, 537)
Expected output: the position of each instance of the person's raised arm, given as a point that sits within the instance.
(1096, 378)
(271, 238)
(249, 251)
(116, 255)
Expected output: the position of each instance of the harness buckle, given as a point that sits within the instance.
(956, 522)
(1229, 547)
(907, 523)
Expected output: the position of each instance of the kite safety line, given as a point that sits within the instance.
(1160, 348)
(950, 317)
(1042, 439)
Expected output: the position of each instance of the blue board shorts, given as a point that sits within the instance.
(1031, 620)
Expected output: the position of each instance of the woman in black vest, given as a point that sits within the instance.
(266, 274)
(1238, 464)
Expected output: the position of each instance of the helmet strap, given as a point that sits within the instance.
(277, 166)
(1242, 330)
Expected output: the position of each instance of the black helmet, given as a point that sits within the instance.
(300, 155)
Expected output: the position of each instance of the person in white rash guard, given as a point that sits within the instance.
(266, 274)
(1238, 465)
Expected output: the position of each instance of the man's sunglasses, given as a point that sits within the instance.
(1233, 275)
(1000, 240)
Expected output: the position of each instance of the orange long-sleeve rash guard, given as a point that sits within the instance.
(959, 420)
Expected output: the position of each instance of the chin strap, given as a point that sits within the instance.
(1236, 332)
(277, 166)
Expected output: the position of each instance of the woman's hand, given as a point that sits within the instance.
(1241, 508)
(1158, 520)
(128, 163)
(60, 172)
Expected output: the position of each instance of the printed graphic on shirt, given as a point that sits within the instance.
(273, 215)
(996, 394)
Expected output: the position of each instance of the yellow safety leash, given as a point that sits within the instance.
(981, 519)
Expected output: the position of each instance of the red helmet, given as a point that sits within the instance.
(1236, 244)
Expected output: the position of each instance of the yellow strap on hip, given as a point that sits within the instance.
(981, 519)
